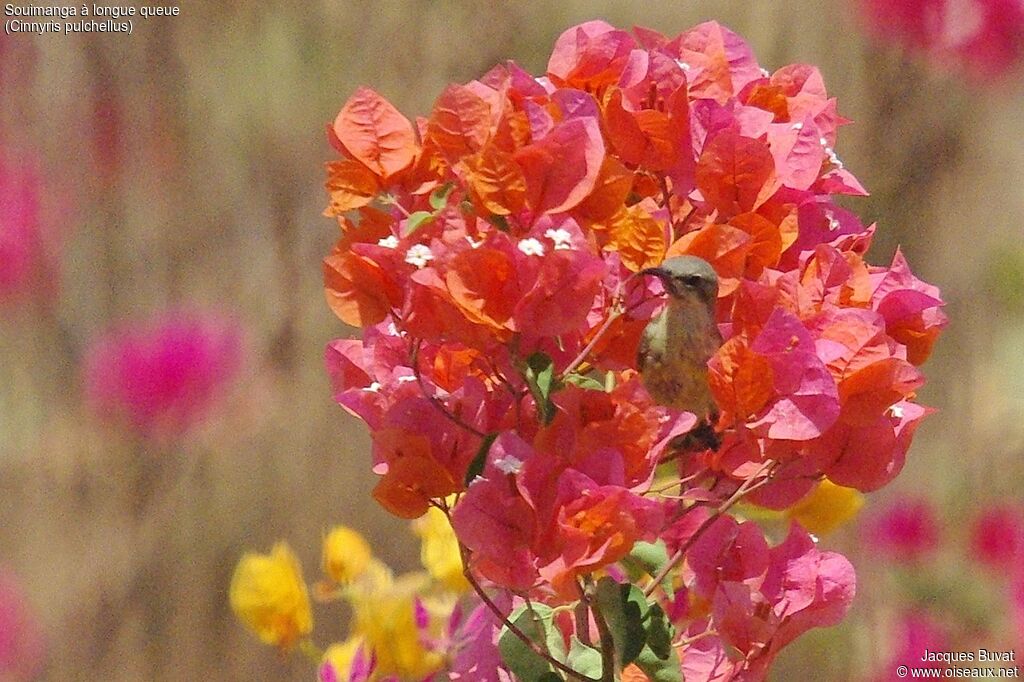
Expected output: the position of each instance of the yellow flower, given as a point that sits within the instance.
(340, 656)
(826, 507)
(377, 576)
(439, 550)
(346, 555)
(269, 596)
(386, 619)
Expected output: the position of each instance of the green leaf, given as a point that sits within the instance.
(417, 220)
(439, 197)
(636, 596)
(659, 632)
(551, 677)
(660, 669)
(623, 608)
(649, 558)
(539, 373)
(499, 221)
(651, 555)
(584, 382)
(476, 467)
(584, 659)
(527, 665)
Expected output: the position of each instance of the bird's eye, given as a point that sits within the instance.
(691, 280)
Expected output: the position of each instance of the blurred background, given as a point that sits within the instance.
(181, 169)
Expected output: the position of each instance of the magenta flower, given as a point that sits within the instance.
(162, 375)
(22, 646)
(997, 536)
(984, 37)
(476, 655)
(1016, 593)
(907, 530)
(914, 634)
(24, 256)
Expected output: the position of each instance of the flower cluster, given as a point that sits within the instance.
(904, 531)
(22, 642)
(494, 254)
(401, 626)
(162, 375)
(28, 251)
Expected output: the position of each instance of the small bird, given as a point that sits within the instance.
(677, 343)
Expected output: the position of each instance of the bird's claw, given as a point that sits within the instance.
(701, 437)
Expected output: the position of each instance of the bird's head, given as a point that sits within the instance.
(687, 276)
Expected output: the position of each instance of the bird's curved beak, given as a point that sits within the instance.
(660, 273)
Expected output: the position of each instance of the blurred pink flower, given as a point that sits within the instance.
(476, 656)
(986, 37)
(914, 634)
(22, 646)
(997, 536)
(163, 374)
(1017, 602)
(907, 530)
(26, 262)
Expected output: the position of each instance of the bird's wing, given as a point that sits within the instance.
(642, 351)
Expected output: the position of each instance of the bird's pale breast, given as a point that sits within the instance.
(674, 352)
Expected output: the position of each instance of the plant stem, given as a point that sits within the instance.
(675, 483)
(615, 311)
(578, 360)
(608, 666)
(667, 199)
(687, 641)
(414, 360)
(582, 616)
(746, 487)
(512, 627)
(537, 622)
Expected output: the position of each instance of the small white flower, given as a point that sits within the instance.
(561, 238)
(833, 223)
(813, 537)
(799, 125)
(531, 247)
(683, 65)
(896, 411)
(390, 242)
(419, 255)
(404, 379)
(765, 72)
(823, 142)
(833, 158)
(508, 465)
(373, 388)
